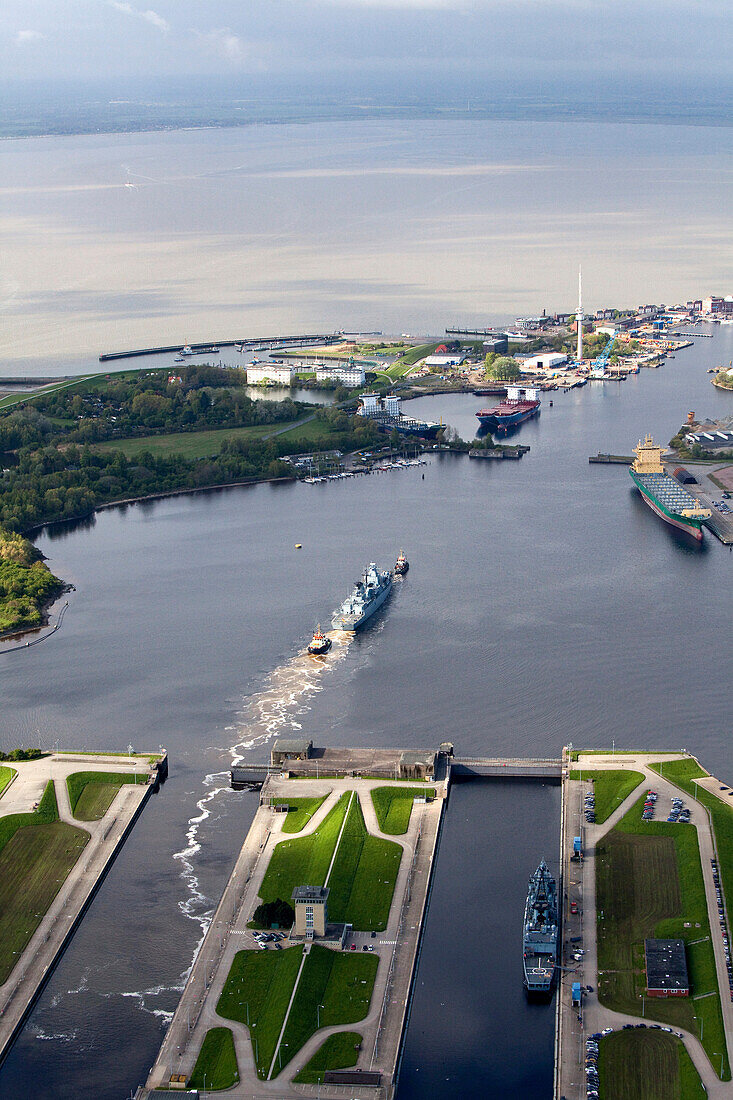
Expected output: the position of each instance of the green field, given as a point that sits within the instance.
(216, 1066)
(647, 1065)
(6, 774)
(406, 362)
(393, 806)
(304, 860)
(203, 444)
(91, 793)
(314, 431)
(37, 851)
(610, 788)
(649, 884)
(340, 1051)
(300, 812)
(363, 878)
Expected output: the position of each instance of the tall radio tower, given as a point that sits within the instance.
(579, 315)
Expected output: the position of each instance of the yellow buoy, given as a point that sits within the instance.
(298, 546)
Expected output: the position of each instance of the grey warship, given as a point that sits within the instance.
(540, 932)
(368, 594)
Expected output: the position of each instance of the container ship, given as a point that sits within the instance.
(663, 494)
(386, 412)
(369, 593)
(519, 406)
(540, 932)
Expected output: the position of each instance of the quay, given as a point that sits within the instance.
(581, 1013)
(264, 341)
(621, 460)
(515, 453)
(105, 834)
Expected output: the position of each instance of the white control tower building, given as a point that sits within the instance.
(579, 315)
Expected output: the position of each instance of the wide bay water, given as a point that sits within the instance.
(545, 604)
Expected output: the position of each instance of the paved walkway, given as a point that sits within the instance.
(396, 949)
(105, 836)
(580, 887)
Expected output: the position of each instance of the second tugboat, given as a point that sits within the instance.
(320, 642)
(402, 565)
(368, 594)
(540, 932)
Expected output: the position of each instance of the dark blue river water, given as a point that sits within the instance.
(545, 604)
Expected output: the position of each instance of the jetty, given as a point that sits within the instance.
(269, 342)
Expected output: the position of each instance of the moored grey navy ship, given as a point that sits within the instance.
(540, 932)
(368, 594)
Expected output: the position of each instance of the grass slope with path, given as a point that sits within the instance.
(91, 793)
(610, 789)
(260, 983)
(203, 444)
(393, 806)
(647, 1065)
(216, 1066)
(363, 878)
(37, 851)
(340, 1051)
(300, 812)
(305, 859)
(649, 884)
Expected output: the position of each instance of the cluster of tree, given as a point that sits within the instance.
(684, 449)
(205, 397)
(501, 368)
(274, 914)
(26, 583)
(22, 754)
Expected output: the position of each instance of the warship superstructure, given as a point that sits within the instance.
(540, 932)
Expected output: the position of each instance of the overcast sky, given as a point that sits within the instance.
(320, 39)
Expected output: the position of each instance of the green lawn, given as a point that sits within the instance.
(216, 1066)
(300, 812)
(258, 988)
(6, 774)
(647, 1065)
(649, 884)
(407, 361)
(363, 878)
(393, 806)
(340, 1051)
(37, 851)
(611, 788)
(315, 431)
(203, 444)
(305, 859)
(91, 793)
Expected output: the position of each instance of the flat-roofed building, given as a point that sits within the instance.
(295, 748)
(311, 911)
(417, 764)
(348, 376)
(666, 968)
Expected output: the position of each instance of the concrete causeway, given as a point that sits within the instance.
(396, 948)
(42, 951)
(579, 887)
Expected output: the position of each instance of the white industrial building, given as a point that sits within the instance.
(447, 360)
(548, 360)
(347, 375)
(269, 372)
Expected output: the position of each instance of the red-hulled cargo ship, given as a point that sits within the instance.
(519, 406)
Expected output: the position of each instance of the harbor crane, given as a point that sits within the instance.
(598, 369)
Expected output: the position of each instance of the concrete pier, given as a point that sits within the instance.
(46, 945)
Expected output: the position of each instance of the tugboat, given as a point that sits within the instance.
(402, 565)
(319, 643)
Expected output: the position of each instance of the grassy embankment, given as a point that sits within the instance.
(649, 884)
(91, 793)
(363, 877)
(37, 851)
(6, 774)
(610, 789)
(649, 1065)
(406, 362)
(259, 986)
(340, 1051)
(216, 1066)
(683, 772)
(393, 806)
(300, 812)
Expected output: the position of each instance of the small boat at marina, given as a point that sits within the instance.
(402, 565)
(320, 643)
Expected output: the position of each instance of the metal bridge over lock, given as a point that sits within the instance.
(544, 769)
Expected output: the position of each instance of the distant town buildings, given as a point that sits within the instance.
(718, 307)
